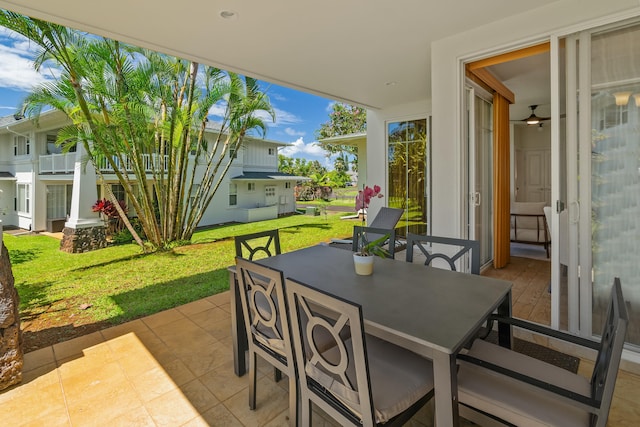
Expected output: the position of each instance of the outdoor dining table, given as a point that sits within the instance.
(431, 311)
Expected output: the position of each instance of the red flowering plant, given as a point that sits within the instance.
(363, 199)
(108, 209)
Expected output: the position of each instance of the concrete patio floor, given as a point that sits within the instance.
(175, 368)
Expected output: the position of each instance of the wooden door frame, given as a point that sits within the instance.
(477, 71)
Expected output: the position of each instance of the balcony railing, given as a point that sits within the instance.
(57, 163)
(64, 163)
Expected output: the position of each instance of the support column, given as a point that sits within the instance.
(84, 230)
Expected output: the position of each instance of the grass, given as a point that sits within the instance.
(120, 283)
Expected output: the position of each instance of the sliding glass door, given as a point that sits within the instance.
(604, 77)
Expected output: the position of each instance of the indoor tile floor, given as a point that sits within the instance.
(175, 368)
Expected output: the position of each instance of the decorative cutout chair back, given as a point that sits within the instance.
(604, 375)
(364, 235)
(258, 245)
(263, 300)
(266, 321)
(465, 246)
(337, 379)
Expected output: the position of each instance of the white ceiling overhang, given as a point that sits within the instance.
(375, 53)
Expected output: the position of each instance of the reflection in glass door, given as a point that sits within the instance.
(408, 160)
(607, 210)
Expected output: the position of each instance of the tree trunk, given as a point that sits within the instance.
(11, 358)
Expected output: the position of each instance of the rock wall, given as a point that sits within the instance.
(11, 357)
(77, 240)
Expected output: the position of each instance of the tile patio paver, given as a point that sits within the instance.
(175, 368)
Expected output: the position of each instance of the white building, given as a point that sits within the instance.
(36, 179)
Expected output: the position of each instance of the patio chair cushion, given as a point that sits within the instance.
(391, 368)
(505, 397)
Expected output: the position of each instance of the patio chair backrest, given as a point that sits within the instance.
(386, 218)
(605, 371)
(364, 235)
(464, 246)
(256, 245)
(539, 393)
(264, 308)
(337, 380)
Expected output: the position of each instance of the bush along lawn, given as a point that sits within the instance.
(66, 295)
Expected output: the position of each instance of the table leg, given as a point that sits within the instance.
(446, 390)
(238, 331)
(504, 329)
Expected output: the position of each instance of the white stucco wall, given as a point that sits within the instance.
(446, 81)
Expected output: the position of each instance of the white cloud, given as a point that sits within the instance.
(16, 64)
(330, 106)
(293, 132)
(283, 117)
(299, 148)
(276, 96)
(217, 110)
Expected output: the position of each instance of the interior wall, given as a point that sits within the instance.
(447, 77)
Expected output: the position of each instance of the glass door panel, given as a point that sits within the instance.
(607, 208)
(408, 160)
(615, 171)
(483, 178)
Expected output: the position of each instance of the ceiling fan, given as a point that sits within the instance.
(533, 119)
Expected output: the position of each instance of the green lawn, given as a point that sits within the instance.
(120, 283)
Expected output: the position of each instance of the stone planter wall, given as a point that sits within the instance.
(78, 240)
(11, 357)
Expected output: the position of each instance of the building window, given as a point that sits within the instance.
(614, 115)
(21, 146)
(251, 186)
(233, 194)
(118, 192)
(24, 198)
(192, 196)
(58, 200)
(287, 185)
(272, 151)
(270, 191)
(54, 148)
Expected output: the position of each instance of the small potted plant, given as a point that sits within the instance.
(363, 257)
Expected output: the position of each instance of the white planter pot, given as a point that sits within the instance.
(363, 264)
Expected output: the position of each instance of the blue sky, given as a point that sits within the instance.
(298, 114)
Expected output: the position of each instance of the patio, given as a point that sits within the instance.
(175, 368)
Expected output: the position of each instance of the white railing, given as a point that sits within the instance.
(57, 163)
(64, 163)
(150, 161)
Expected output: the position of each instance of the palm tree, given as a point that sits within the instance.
(145, 114)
